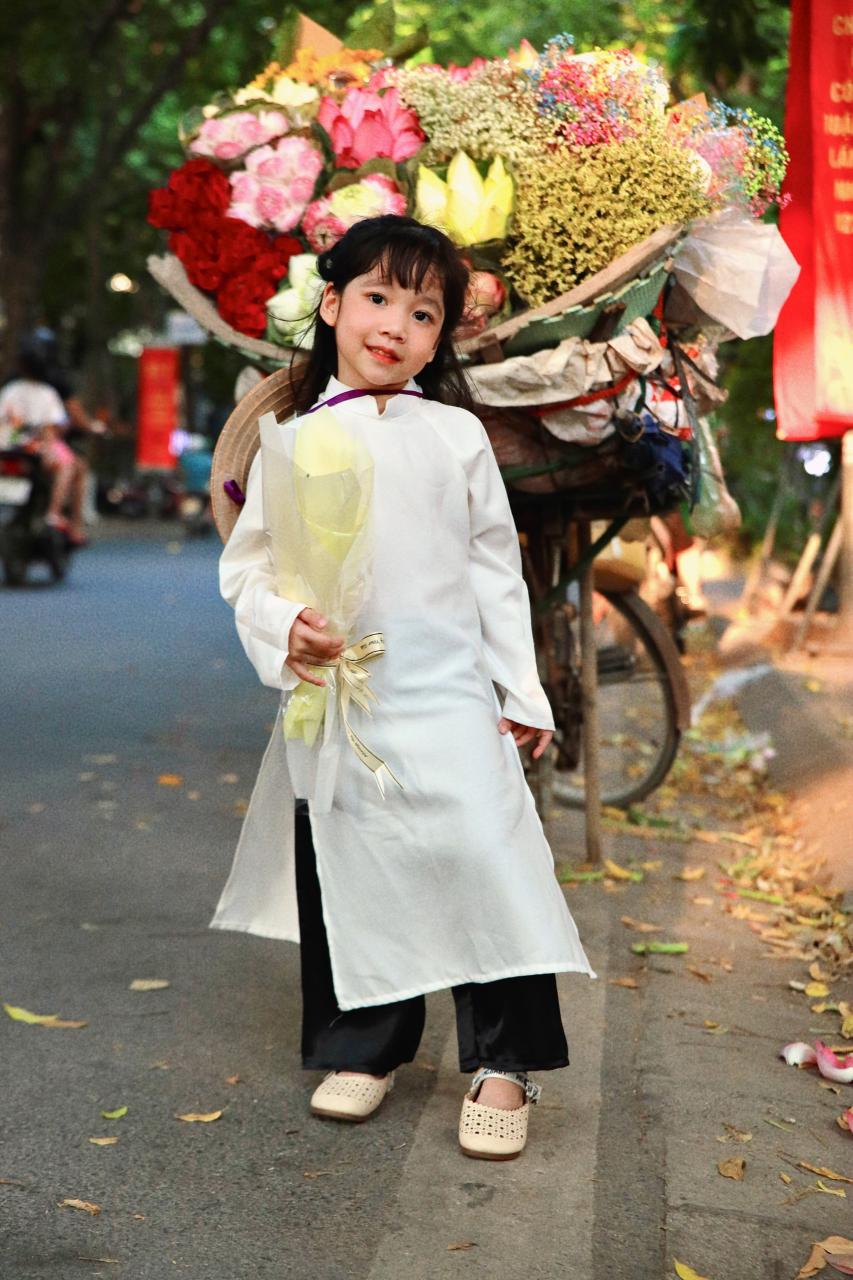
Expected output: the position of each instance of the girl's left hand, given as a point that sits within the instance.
(523, 734)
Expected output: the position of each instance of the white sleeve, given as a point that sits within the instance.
(247, 582)
(501, 593)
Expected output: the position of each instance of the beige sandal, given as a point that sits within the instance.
(495, 1133)
(354, 1097)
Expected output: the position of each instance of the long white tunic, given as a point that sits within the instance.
(450, 879)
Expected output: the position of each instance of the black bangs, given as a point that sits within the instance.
(404, 251)
(409, 253)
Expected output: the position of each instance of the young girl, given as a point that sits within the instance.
(447, 881)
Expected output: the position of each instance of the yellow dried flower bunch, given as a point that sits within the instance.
(578, 209)
(489, 114)
(353, 65)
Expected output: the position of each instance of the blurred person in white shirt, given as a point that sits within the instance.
(33, 416)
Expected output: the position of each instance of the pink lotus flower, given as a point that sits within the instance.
(276, 184)
(230, 136)
(327, 219)
(369, 125)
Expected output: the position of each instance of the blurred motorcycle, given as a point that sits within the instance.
(25, 536)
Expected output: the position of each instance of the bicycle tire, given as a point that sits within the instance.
(658, 754)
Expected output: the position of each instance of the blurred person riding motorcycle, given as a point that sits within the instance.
(33, 418)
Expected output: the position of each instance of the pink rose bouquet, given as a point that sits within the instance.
(327, 219)
(230, 136)
(366, 125)
(276, 184)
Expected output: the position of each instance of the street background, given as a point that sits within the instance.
(134, 730)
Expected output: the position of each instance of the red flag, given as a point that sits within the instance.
(813, 342)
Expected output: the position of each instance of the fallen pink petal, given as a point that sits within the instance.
(833, 1067)
(798, 1054)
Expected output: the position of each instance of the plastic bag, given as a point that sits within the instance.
(737, 271)
(716, 510)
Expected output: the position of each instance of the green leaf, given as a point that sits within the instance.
(377, 31)
(284, 39)
(582, 876)
(23, 1015)
(758, 895)
(115, 1115)
(660, 948)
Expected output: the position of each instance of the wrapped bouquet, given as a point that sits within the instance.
(318, 488)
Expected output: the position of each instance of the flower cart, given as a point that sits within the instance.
(614, 240)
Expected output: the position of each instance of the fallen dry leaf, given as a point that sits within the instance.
(116, 1114)
(306, 1173)
(686, 1273)
(85, 1205)
(826, 1173)
(817, 973)
(732, 1168)
(640, 925)
(839, 1253)
(831, 1191)
(700, 973)
(170, 780)
(786, 1178)
(235, 1079)
(815, 989)
(623, 982)
(703, 902)
(620, 873)
(103, 1142)
(203, 1117)
(733, 1134)
(149, 984)
(462, 1244)
(41, 1019)
(690, 873)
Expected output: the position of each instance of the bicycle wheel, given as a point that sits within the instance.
(638, 726)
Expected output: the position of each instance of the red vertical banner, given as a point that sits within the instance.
(158, 407)
(813, 344)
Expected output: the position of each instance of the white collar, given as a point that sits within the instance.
(366, 405)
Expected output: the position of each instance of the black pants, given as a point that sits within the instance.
(512, 1024)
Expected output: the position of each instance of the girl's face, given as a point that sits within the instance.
(384, 334)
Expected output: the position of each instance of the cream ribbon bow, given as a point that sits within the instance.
(348, 681)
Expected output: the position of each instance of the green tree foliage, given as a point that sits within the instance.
(91, 95)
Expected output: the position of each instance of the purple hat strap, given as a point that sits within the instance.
(353, 395)
(231, 487)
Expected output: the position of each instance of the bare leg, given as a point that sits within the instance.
(78, 493)
(63, 478)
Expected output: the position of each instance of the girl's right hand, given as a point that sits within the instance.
(309, 645)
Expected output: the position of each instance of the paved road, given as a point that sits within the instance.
(131, 671)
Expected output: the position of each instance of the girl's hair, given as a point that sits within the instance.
(407, 252)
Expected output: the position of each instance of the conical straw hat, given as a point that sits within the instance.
(240, 440)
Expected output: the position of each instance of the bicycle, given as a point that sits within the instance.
(643, 700)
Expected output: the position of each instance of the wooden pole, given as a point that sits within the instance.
(830, 556)
(589, 704)
(769, 542)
